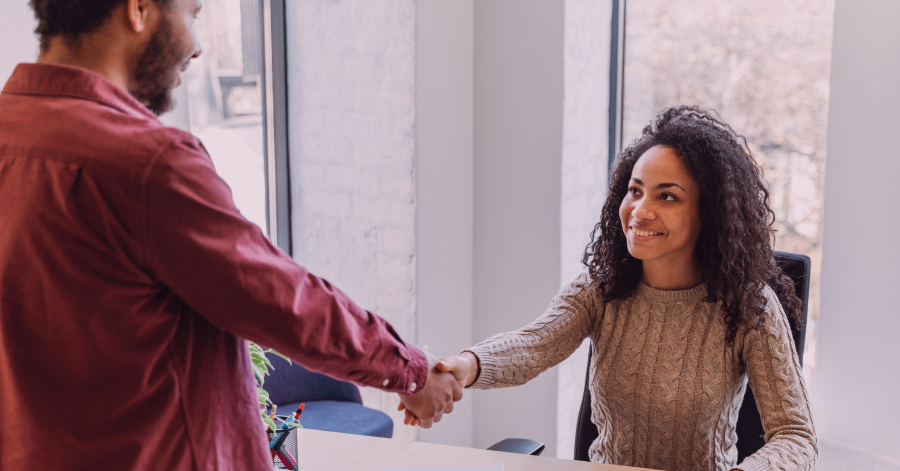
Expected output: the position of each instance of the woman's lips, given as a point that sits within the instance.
(644, 235)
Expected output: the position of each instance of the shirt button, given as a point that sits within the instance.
(386, 382)
(412, 388)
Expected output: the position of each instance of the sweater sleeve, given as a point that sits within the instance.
(514, 358)
(774, 373)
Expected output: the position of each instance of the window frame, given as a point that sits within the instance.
(275, 124)
(616, 81)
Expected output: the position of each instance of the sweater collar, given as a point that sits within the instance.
(679, 295)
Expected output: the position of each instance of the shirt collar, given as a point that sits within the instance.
(73, 82)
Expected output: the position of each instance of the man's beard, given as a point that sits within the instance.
(157, 69)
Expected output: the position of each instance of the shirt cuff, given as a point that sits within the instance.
(413, 380)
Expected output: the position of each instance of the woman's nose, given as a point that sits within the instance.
(643, 209)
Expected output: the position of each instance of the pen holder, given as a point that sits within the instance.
(283, 445)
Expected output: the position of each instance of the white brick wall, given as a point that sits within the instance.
(584, 164)
(352, 136)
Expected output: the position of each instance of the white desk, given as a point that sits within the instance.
(328, 451)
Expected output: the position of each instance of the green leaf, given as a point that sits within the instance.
(261, 367)
(276, 353)
(265, 361)
(260, 375)
(267, 421)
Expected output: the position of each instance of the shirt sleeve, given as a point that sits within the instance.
(200, 247)
(514, 358)
(774, 373)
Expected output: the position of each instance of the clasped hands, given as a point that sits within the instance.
(447, 377)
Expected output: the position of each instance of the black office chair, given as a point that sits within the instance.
(749, 425)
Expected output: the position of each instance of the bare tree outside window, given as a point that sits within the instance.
(764, 66)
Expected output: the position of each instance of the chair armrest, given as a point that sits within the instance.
(521, 446)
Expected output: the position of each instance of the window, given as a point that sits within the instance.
(764, 66)
(225, 96)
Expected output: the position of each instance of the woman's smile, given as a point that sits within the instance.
(642, 234)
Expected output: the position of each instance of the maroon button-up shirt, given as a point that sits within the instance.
(128, 281)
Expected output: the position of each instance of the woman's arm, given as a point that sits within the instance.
(774, 373)
(514, 358)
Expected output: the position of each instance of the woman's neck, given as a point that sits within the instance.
(669, 276)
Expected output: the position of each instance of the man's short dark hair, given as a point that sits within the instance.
(70, 19)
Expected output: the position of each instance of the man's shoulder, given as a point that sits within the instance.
(87, 133)
(145, 142)
(178, 151)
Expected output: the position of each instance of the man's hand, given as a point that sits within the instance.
(436, 399)
(463, 367)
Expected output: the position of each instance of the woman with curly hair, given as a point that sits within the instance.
(683, 303)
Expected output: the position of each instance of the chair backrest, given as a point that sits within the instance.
(749, 425)
(289, 383)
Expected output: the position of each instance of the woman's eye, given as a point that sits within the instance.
(668, 197)
(633, 190)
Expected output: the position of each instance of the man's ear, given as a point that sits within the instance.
(138, 14)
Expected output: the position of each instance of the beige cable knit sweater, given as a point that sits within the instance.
(665, 386)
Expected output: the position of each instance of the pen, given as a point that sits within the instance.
(287, 424)
(294, 417)
(276, 445)
(287, 460)
(278, 450)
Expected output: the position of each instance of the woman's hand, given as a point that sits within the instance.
(464, 368)
(426, 406)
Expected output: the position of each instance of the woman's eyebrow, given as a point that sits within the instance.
(663, 186)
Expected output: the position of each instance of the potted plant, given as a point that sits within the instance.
(261, 366)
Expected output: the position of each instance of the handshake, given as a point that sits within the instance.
(447, 377)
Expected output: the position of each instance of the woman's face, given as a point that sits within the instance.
(660, 213)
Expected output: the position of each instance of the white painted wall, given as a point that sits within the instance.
(584, 169)
(444, 123)
(858, 374)
(18, 43)
(351, 118)
(444, 159)
(518, 162)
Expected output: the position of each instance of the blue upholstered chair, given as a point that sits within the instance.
(331, 405)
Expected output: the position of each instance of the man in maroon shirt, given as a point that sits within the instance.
(128, 279)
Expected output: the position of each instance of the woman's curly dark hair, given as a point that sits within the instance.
(735, 243)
